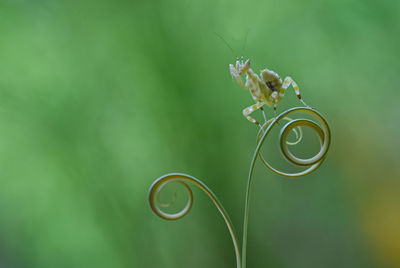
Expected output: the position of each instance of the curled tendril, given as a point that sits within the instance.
(312, 163)
(181, 178)
(299, 135)
(155, 202)
(322, 131)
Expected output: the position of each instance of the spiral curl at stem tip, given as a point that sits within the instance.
(183, 179)
(312, 163)
(323, 133)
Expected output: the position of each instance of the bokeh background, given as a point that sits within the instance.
(99, 98)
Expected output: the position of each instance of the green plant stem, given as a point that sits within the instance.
(315, 162)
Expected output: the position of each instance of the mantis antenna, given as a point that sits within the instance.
(231, 49)
(225, 42)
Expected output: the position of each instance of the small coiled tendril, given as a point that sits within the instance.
(312, 163)
(157, 186)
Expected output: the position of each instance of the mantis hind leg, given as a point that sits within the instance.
(286, 83)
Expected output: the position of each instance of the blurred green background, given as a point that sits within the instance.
(99, 98)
